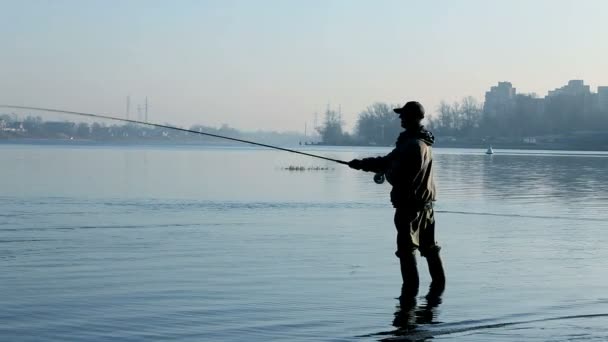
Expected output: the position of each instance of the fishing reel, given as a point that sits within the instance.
(379, 178)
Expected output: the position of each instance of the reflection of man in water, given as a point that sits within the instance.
(409, 169)
(409, 316)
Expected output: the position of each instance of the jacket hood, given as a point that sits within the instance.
(421, 134)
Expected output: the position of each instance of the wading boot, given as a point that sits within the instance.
(436, 271)
(409, 274)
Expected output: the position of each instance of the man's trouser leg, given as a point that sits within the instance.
(406, 250)
(435, 270)
(409, 273)
(430, 250)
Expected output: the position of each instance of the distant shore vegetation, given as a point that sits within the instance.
(33, 128)
(570, 117)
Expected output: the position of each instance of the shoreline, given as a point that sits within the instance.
(152, 142)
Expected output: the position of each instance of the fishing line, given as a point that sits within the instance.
(593, 219)
(173, 128)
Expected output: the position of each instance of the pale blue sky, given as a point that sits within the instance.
(273, 64)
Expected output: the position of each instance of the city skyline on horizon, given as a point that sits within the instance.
(504, 85)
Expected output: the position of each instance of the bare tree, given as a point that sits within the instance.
(378, 125)
(332, 130)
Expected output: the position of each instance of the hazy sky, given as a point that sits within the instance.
(272, 64)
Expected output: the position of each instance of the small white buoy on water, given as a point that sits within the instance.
(489, 150)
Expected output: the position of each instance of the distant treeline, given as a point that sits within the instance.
(526, 117)
(11, 127)
(376, 125)
(563, 121)
(560, 120)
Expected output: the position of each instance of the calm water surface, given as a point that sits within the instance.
(102, 243)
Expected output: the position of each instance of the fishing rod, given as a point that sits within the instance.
(171, 127)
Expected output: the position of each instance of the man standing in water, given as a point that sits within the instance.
(409, 169)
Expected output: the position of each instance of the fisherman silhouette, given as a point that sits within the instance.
(409, 169)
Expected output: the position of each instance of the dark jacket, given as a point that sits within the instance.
(408, 168)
